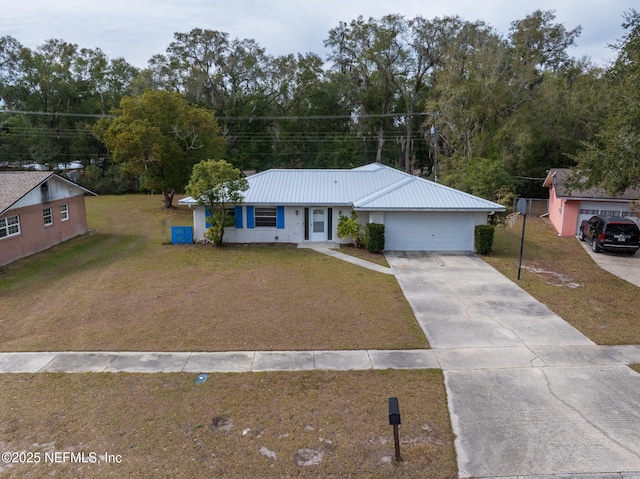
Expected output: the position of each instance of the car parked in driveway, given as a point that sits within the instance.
(610, 233)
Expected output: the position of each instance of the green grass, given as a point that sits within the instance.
(122, 287)
(558, 272)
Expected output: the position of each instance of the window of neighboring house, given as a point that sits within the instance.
(266, 216)
(612, 213)
(47, 214)
(64, 212)
(9, 226)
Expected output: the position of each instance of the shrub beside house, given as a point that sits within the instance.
(304, 206)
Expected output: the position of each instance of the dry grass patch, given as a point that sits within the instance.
(364, 254)
(302, 424)
(558, 272)
(121, 288)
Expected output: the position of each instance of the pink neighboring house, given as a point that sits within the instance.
(567, 208)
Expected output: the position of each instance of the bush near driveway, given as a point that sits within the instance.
(484, 238)
(121, 288)
(558, 272)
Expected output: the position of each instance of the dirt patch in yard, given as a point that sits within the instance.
(294, 424)
(594, 301)
(551, 277)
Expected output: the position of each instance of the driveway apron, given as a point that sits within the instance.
(528, 394)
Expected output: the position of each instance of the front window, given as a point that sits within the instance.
(9, 226)
(265, 216)
(64, 212)
(48, 216)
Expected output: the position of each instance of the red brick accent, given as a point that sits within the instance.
(35, 236)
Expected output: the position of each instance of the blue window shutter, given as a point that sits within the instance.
(238, 216)
(280, 217)
(207, 215)
(251, 219)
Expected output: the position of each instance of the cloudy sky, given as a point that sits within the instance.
(138, 29)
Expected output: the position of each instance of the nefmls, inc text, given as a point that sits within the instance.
(59, 457)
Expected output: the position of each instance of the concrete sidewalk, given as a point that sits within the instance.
(256, 361)
(529, 396)
(329, 250)
(215, 362)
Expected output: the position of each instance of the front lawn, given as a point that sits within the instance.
(251, 425)
(558, 272)
(122, 288)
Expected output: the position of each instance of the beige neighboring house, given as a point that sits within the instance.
(38, 209)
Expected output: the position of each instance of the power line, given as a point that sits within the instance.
(325, 117)
(46, 113)
(248, 118)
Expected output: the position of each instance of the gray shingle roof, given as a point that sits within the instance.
(16, 184)
(374, 186)
(558, 176)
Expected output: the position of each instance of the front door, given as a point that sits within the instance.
(318, 219)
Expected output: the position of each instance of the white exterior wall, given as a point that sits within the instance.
(376, 217)
(293, 231)
(57, 190)
(199, 223)
(480, 219)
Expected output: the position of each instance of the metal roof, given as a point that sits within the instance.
(371, 187)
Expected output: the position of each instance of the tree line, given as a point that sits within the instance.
(449, 99)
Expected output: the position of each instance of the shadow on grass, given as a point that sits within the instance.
(88, 250)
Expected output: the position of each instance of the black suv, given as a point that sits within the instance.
(611, 233)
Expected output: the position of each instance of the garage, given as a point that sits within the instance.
(432, 231)
(306, 207)
(592, 208)
(568, 207)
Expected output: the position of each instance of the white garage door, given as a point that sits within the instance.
(592, 208)
(428, 231)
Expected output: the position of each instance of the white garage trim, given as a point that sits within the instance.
(605, 208)
(415, 231)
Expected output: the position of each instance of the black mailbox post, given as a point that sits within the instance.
(394, 412)
(394, 420)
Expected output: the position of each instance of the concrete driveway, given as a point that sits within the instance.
(622, 265)
(528, 394)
